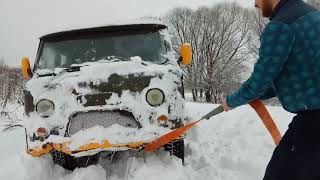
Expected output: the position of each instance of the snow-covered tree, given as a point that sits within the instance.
(11, 89)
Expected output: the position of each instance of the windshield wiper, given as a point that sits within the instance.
(70, 69)
(47, 74)
(73, 68)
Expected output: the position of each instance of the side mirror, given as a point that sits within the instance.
(26, 69)
(186, 53)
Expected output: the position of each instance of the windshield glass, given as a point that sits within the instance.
(62, 54)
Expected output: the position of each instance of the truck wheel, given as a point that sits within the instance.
(176, 148)
(71, 163)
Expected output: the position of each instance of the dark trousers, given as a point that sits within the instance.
(297, 157)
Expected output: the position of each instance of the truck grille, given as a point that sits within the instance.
(84, 120)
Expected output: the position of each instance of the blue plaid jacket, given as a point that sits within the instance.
(289, 60)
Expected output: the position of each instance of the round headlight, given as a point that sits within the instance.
(155, 97)
(45, 108)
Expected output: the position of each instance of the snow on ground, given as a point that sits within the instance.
(230, 146)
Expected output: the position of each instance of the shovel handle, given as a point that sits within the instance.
(267, 120)
(214, 112)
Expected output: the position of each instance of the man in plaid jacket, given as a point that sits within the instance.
(289, 68)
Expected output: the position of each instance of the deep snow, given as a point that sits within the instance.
(230, 146)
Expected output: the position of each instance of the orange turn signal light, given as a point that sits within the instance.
(163, 119)
(42, 132)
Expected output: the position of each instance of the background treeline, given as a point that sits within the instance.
(11, 85)
(11, 95)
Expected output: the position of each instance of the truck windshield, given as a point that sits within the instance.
(62, 54)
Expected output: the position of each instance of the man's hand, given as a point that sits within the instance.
(225, 105)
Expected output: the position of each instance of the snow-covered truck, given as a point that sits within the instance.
(101, 90)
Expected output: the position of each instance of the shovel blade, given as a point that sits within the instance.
(167, 138)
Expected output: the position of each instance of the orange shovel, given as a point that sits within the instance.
(175, 134)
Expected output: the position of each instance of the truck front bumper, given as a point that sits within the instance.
(64, 148)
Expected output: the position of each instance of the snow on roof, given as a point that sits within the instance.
(137, 21)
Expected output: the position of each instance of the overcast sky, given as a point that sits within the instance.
(23, 21)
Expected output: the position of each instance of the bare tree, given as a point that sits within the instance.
(11, 84)
(11, 89)
(257, 25)
(181, 21)
(219, 37)
(315, 3)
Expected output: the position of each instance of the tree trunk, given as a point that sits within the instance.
(196, 90)
(194, 96)
(208, 96)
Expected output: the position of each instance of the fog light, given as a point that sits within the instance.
(163, 119)
(155, 97)
(42, 132)
(45, 108)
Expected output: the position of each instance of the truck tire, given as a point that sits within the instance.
(176, 148)
(71, 163)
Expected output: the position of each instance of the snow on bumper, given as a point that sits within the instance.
(97, 139)
(65, 148)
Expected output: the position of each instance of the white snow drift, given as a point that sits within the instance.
(231, 146)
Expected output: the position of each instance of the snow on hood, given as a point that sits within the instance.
(97, 72)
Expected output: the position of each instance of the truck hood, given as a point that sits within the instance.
(95, 82)
(106, 86)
